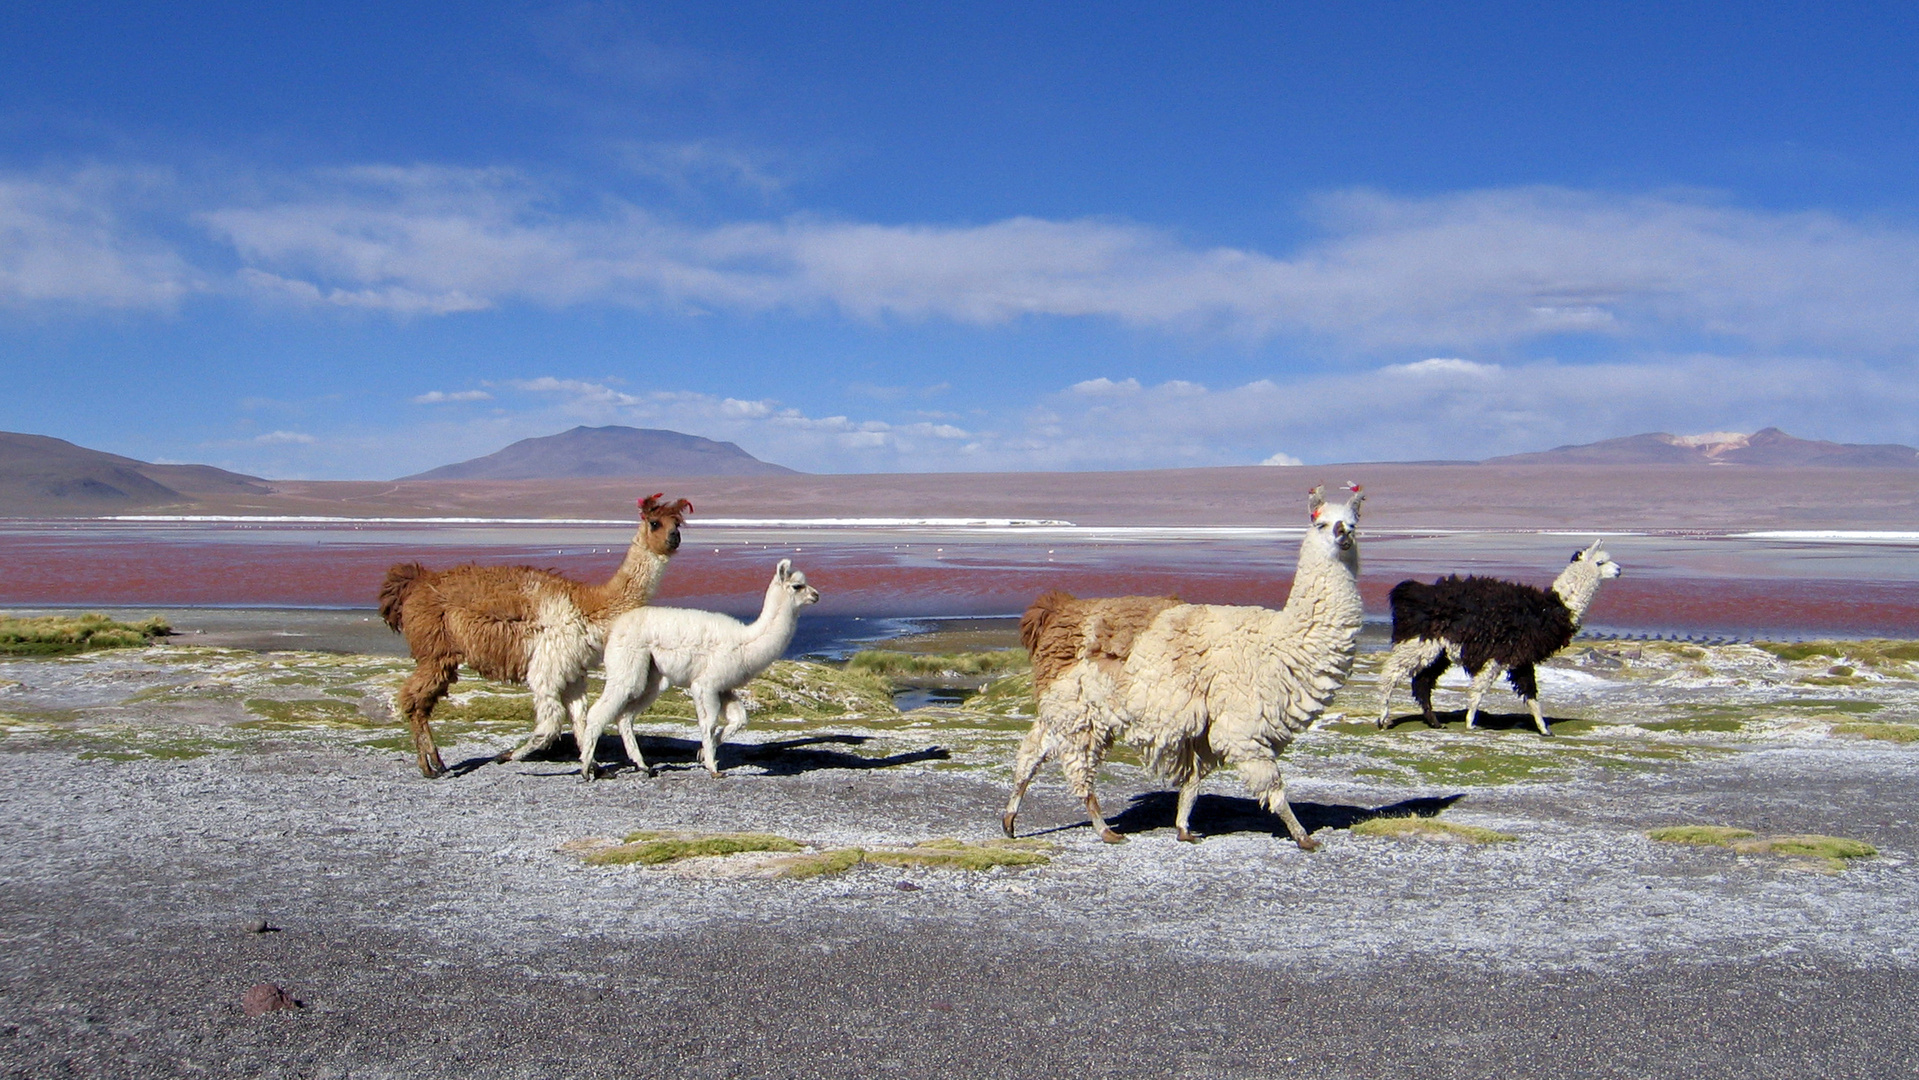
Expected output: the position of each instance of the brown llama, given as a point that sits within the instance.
(518, 624)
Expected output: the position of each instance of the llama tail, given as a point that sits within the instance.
(400, 579)
(1033, 624)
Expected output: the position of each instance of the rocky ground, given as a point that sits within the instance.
(183, 823)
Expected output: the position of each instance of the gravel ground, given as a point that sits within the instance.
(440, 928)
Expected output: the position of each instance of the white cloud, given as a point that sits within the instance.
(439, 397)
(285, 438)
(70, 240)
(1282, 459)
(1475, 271)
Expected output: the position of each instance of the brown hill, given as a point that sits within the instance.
(44, 475)
(1768, 447)
(610, 451)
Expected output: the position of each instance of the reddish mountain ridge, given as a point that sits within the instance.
(43, 475)
(1767, 447)
(588, 453)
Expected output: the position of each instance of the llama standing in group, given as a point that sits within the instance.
(709, 654)
(518, 624)
(1196, 686)
(1486, 626)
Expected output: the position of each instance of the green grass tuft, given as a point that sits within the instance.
(1832, 849)
(62, 635)
(655, 848)
(1709, 835)
(1407, 828)
(960, 855)
(1874, 652)
(905, 665)
(1899, 733)
(303, 713)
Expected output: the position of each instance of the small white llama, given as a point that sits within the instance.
(709, 654)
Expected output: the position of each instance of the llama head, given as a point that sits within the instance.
(1596, 562)
(791, 585)
(1335, 528)
(1579, 581)
(660, 523)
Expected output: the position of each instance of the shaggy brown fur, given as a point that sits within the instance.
(505, 621)
(1057, 624)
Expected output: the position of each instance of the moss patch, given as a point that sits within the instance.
(61, 635)
(1899, 733)
(648, 848)
(817, 863)
(1709, 835)
(1722, 725)
(960, 855)
(303, 713)
(1875, 652)
(1830, 852)
(1419, 828)
(909, 666)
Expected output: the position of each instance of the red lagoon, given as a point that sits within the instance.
(1695, 584)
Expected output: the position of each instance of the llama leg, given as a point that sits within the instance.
(1400, 661)
(735, 714)
(1526, 684)
(612, 702)
(1183, 817)
(421, 691)
(574, 698)
(654, 681)
(1482, 681)
(1032, 754)
(706, 702)
(1423, 683)
(1081, 765)
(548, 712)
(1263, 779)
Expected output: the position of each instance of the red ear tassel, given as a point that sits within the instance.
(1354, 488)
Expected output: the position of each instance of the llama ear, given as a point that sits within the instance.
(652, 502)
(784, 571)
(1358, 498)
(683, 507)
(1315, 500)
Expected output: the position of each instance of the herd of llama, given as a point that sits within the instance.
(1193, 686)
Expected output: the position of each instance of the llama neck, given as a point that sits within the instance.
(634, 583)
(1315, 635)
(767, 637)
(1576, 590)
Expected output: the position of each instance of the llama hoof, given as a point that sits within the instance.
(1185, 837)
(503, 757)
(1111, 837)
(1307, 843)
(590, 773)
(433, 771)
(1006, 822)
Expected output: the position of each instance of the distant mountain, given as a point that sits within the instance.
(609, 452)
(44, 475)
(1766, 447)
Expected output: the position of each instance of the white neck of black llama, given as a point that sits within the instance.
(1579, 582)
(1314, 635)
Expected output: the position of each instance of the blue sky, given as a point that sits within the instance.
(361, 240)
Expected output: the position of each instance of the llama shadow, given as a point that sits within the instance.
(1492, 721)
(781, 757)
(1223, 815)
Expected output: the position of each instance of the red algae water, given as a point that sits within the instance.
(1718, 583)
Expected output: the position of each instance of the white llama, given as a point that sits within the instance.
(709, 654)
(1489, 627)
(1196, 686)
